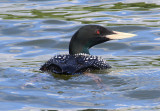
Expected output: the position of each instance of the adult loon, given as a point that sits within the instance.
(79, 59)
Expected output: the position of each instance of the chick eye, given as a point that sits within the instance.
(98, 32)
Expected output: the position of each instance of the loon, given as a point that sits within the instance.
(79, 59)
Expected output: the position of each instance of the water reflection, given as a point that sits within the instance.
(103, 12)
(144, 94)
(34, 31)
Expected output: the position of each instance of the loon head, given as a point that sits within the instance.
(90, 35)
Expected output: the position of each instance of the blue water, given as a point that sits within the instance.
(32, 31)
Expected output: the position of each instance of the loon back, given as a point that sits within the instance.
(74, 64)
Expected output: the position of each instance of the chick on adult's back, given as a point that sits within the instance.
(79, 59)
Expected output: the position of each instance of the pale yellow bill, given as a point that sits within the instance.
(120, 35)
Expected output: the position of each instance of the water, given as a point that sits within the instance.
(32, 31)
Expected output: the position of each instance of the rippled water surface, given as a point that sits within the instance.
(32, 31)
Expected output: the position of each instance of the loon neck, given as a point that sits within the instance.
(78, 44)
(75, 48)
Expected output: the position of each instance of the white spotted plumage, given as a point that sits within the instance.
(72, 64)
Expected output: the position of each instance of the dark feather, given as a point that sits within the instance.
(74, 64)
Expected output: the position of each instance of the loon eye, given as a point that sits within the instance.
(98, 32)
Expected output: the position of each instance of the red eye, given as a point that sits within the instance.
(98, 32)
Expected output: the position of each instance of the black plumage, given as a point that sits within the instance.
(74, 64)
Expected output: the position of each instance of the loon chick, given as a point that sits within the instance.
(79, 59)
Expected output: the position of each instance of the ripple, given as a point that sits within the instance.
(32, 31)
(55, 22)
(144, 94)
